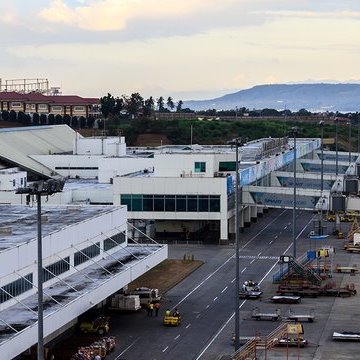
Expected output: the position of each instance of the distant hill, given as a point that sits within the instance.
(313, 97)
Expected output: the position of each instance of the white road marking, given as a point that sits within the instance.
(271, 242)
(224, 289)
(243, 269)
(263, 257)
(165, 349)
(252, 261)
(233, 314)
(285, 227)
(275, 237)
(233, 280)
(177, 337)
(215, 298)
(259, 253)
(124, 351)
(207, 306)
(187, 326)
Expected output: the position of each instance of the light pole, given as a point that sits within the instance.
(321, 124)
(38, 189)
(358, 137)
(349, 123)
(237, 142)
(294, 133)
(336, 146)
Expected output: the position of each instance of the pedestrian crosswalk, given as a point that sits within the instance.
(262, 257)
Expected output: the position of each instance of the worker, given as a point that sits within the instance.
(157, 307)
(176, 313)
(151, 308)
(167, 312)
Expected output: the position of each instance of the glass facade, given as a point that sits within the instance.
(171, 203)
(16, 288)
(86, 253)
(56, 268)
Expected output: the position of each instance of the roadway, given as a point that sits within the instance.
(206, 297)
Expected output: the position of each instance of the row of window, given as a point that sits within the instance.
(172, 203)
(56, 269)
(16, 288)
(45, 106)
(200, 167)
(25, 283)
(76, 168)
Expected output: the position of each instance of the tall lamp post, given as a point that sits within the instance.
(349, 123)
(321, 124)
(294, 133)
(237, 142)
(38, 189)
(336, 146)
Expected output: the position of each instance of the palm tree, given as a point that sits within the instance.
(170, 103)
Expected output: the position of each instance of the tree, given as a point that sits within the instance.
(170, 103)
(134, 104)
(179, 106)
(21, 117)
(43, 119)
(160, 104)
(36, 119)
(75, 122)
(27, 119)
(5, 115)
(51, 119)
(12, 116)
(303, 112)
(82, 122)
(58, 119)
(90, 121)
(107, 104)
(67, 119)
(149, 106)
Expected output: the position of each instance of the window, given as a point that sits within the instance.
(42, 107)
(227, 166)
(56, 269)
(171, 203)
(56, 108)
(200, 167)
(14, 182)
(16, 104)
(78, 108)
(114, 241)
(16, 288)
(84, 255)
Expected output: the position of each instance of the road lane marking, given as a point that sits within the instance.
(197, 316)
(271, 242)
(241, 305)
(224, 289)
(252, 261)
(225, 262)
(259, 253)
(187, 326)
(285, 227)
(177, 337)
(215, 298)
(243, 269)
(263, 257)
(124, 351)
(165, 349)
(233, 280)
(207, 306)
(275, 237)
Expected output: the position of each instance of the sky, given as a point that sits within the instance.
(186, 49)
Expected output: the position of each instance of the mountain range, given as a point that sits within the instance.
(319, 97)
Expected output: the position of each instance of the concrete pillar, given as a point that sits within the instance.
(224, 230)
(247, 216)
(260, 211)
(253, 212)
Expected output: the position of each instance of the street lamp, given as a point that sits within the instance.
(237, 142)
(336, 145)
(38, 189)
(321, 124)
(349, 123)
(294, 133)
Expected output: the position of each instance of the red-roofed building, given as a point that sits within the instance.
(37, 103)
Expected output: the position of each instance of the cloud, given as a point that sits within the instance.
(345, 14)
(110, 15)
